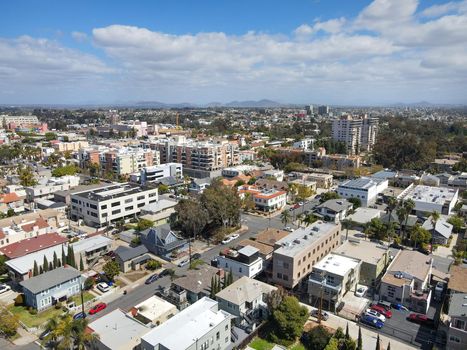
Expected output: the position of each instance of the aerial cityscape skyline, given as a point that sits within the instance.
(364, 53)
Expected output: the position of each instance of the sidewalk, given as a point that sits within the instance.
(25, 337)
(368, 336)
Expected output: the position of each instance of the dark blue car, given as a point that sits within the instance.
(371, 321)
(152, 279)
(79, 315)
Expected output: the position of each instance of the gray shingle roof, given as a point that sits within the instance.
(126, 253)
(49, 279)
(336, 205)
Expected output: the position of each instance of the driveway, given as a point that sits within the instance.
(446, 252)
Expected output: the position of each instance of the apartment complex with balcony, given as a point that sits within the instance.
(358, 133)
(332, 277)
(295, 254)
(244, 262)
(125, 161)
(105, 205)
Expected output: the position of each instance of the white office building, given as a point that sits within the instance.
(19, 119)
(429, 199)
(199, 326)
(155, 173)
(102, 206)
(244, 262)
(304, 144)
(366, 189)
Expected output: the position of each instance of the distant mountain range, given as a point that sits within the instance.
(264, 103)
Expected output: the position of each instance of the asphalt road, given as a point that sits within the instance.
(6, 345)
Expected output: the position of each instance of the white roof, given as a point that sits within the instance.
(364, 215)
(182, 330)
(91, 243)
(160, 205)
(430, 194)
(154, 307)
(337, 264)
(23, 264)
(119, 331)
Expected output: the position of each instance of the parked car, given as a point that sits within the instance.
(383, 311)
(288, 229)
(234, 236)
(371, 321)
(164, 272)
(385, 304)
(184, 262)
(79, 315)
(226, 240)
(44, 334)
(97, 308)
(375, 314)
(103, 287)
(360, 292)
(324, 314)
(152, 278)
(420, 319)
(4, 288)
(214, 262)
(196, 256)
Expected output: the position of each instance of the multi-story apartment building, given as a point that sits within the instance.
(105, 205)
(125, 161)
(319, 158)
(155, 173)
(48, 186)
(199, 326)
(244, 262)
(198, 157)
(332, 277)
(366, 189)
(295, 254)
(72, 146)
(358, 133)
(19, 119)
(407, 281)
(323, 110)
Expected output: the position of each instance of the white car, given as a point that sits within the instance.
(360, 292)
(234, 236)
(4, 288)
(226, 240)
(375, 314)
(103, 287)
(183, 262)
(288, 229)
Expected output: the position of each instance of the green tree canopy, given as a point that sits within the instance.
(289, 319)
(111, 269)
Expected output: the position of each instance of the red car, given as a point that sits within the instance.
(97, 308)
(421, 319)
(382, 311)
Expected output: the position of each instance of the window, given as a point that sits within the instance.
(141, 205)
(114, 212)
(279, 275)
(152, 194)
(104, 215)
(309, 255)
(285, 277)
(308, 267)
(114, 204)
(226, 327)
(93, 206)
(218, 335)
(454, 339)
(140, 198)
(129, 208)
(298, 274)
(299, 262)
(286, 265)
(104, 206)
(459, 324)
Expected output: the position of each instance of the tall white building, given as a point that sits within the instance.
(199, 326)
(155, 173)
(366, 189)
(102, 206)
(358, 133)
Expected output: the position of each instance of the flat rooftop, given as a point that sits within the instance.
(336, 264)
(190, 324)
(154, 307)
(304, 237)
(430, 194)
(112, 192)
(411, 264)
(363, 215)
(366, 251)
(245, 289)
(361, 183)
(92, 243)
(118, 331)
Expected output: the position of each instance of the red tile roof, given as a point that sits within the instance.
(40, 222)
(9, 198)
(31, 245)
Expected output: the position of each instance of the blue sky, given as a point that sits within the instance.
(328, 51)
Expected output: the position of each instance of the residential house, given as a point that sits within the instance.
(334, 210)
(32, 245)
(200, 326)
(194, 285)
(129, 258)
(441, 232)
(362, 216)
(295, 254)
(406, 281)
(331, 278)
(404, 225)
(458, 181)
(244, 262)
(457, 293)
(159, 212)
(162, 241)
(91, 249)
(199, 185)
(49, 288)
(265, 200)
(49, 185)
(246, 300)
(374, 259)
(154, 311)
(117, 331)
(11, 201)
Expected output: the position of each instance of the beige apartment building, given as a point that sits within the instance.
(72, 146)
(295, 254)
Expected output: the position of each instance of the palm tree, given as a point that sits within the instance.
(309, 219)
(50, 326)
(82, 338)
(346, 225)
(402, 214)
(285, 217)
(392, 204)
(300, 219)
(409, 205)
(434, 219)
(64, 331)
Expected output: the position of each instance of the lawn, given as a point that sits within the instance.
(86, 296)
(34, 320)
(261, 344)
(298, 346)
(196, 263)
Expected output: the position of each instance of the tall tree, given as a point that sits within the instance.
(289, 319)
(191, 216)
(45, 265)
(212, 294)
(285, 217)
(346, 225)
(434, 219)
(35, 270)
(81, 263)
(392, 205)
(55, 260)
(64, 259)
(26, 177)
(347, 335)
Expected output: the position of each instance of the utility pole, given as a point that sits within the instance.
(82, 297)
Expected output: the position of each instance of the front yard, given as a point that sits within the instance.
(34, 320)
(87, 296)
(262, 344)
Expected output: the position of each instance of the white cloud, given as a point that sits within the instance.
(439, 10)
(79, 36)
